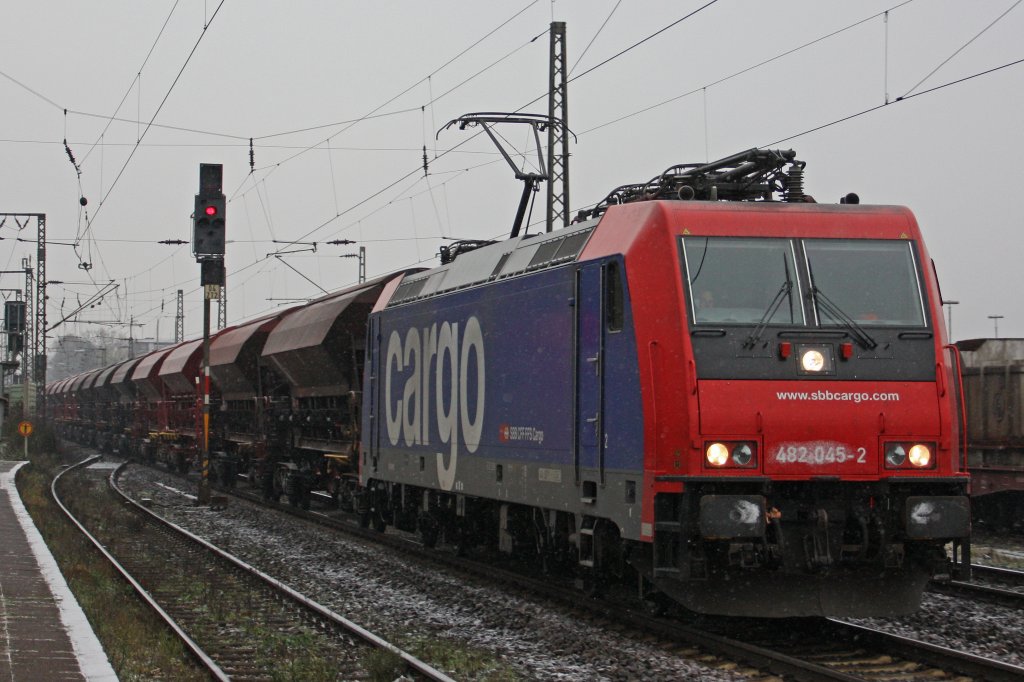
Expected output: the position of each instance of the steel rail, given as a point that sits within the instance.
(998, 573)
(761, 657)
(991, 593)
(756, 655)
(978, 667)
(413, 663)
(745, 652)
(201, 656)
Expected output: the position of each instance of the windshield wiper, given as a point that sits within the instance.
(834, 311)
(769, 313)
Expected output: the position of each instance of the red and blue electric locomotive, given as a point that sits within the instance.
(708, 382)
(750, 404)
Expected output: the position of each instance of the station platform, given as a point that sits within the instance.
(44, 635)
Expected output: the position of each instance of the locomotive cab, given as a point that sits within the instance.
(821, 454)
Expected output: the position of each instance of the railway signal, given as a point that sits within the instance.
(208, 236)
(208, 242)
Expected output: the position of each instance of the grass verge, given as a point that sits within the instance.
(136, 641)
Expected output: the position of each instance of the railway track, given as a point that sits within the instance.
(239, 623)
(806, 649)
(855, 652)
(1002, 586)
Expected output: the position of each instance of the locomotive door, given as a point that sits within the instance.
(589, 402)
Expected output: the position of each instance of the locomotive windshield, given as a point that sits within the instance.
(874, 282)
(741, 280)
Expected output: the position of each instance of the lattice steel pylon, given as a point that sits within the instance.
(558, 140)
(34, 353)
(39, 334)
(179, 318)
(27, 346)
(222, 305)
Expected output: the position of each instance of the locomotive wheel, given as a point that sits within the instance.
(590, 583)
(429, 531)
(373, 519)
(463, 538)
(655, 604)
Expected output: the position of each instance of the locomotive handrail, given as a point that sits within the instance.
(955, 351)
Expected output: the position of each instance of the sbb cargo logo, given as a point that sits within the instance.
(453, 359)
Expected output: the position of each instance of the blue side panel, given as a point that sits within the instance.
(525, 331)
(487, 373)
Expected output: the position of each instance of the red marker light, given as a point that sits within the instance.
(211, 211)
(846, 349)
(785, 348)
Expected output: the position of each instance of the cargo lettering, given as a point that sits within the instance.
(409, 417)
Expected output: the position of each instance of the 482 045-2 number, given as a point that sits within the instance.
(819, 453)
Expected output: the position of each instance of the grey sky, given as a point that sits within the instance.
(264, 69)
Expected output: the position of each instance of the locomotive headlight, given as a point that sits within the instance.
(717, 454)
(731, 454)
(920, 455)
(909, 455)
(741, 455)
(895, 455)
(812, 360)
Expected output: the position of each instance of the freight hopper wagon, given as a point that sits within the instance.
(994, 392)
(145, 407)
(291, 386)
(747, 403)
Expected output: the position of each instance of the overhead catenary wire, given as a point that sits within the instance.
(606, 61)
(869, 110)
(594, 38)
(308, 148)
(839, 120)
(414, 85)
(348, 125)
(152, 122)
(155, 114)
(962, 48)
(138, 77)
(590, 70)
(748, 69)
(142, 134)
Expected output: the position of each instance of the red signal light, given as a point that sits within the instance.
(210, 211)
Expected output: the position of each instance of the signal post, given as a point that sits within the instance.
(208, 245)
